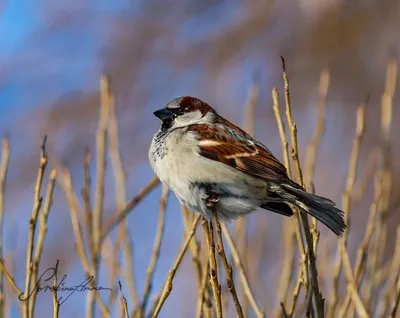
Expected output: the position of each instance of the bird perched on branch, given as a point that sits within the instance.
(210, 162)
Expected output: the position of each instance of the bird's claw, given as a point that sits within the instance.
(212, 199)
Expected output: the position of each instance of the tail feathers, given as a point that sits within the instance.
(278, 207)
(321, 208)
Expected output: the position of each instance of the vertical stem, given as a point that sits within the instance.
(5, 155)
(32, 229)
(216, 287)
(101, 138)
(228, 268)
(319, 300)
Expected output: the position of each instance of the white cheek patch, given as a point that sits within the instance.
(187, 119)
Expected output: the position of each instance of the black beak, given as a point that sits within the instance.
(164, 114)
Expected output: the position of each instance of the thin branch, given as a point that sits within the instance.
(202, 291)
(48, 202)
(10, 279)
(216, 287)
(282, 132)
(66, 184)
(196, 257)
(120, 215)
(392, 276)
(228, 268)
(352, 288)
(123, 302)
(97, 216)
(167, 288)
(241, 224)
(346, 204)
(397, 300)
(156, 250)
(242, 274)
(314, 144)
(86, 196)
(110, 258)
(303, 275)
(32, 229)
(124, 236)
(380, 231)
(362, 250)
(319, 300)
(56, 303)
(288, 237)
(5, 156)
(194, 244)
(296, 293)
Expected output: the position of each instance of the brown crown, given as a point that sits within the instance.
(189, 104)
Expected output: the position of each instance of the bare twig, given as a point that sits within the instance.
(86, 197)
(288, 237)
(42, 232)
(56, 303)
(32, 229)
(168, 284)
(304, 275)
(110, 258)
(5, 155)
(242, 274)
(120, 198)
(196, 257)
(202, 291)
(384, 176)
(296, 293)
(319, 300)
(283, 310)
(282, 132)
(48, 202)
(346, 204)
(228, 268)
(97, 216)
(397, 300)
(10, 279)
(156, 250)
(194, 244)
(216, 287)
(392, 276)
(66, 184)
(123, 302)
(352, 288)
(362, 250)
(314, 144)
(120, 215)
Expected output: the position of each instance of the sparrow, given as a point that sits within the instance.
(210, 163)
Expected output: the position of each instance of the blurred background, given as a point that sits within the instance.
(52, 55)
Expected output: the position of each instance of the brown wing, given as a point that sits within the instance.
(237, 149)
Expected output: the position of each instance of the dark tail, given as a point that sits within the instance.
(322, 209)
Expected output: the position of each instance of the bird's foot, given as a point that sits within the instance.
(212, 199)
